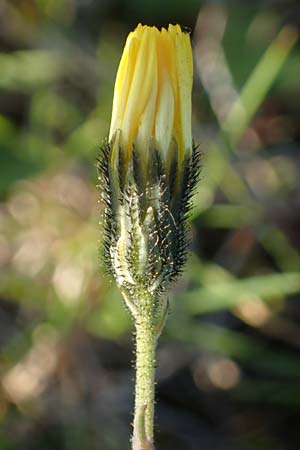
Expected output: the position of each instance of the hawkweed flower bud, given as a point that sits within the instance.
(147, 171)
(148, 167)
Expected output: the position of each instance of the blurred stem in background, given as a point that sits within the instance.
(258, 84)
(233, 111)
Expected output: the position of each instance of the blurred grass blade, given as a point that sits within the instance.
(229, 294)
(259, 83)
(269, 392)
(250, 351)
(27, 69)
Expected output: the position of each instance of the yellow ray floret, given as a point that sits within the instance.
(152, 96)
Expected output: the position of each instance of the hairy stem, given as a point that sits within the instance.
(145, 372)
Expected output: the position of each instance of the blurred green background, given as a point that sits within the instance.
(228, 372)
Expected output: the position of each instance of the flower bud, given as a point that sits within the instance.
(149, 166)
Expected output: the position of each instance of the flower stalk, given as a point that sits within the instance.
(148, 169)
(145, 376)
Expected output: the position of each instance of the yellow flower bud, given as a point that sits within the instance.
(149, 166)
(152, 96)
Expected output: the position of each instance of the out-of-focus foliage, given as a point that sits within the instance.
(228, 363)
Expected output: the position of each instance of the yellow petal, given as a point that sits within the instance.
(152, 96)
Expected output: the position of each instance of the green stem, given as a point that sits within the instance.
(145, 373)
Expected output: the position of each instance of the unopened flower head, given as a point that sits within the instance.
(152, 96)
(149, 166)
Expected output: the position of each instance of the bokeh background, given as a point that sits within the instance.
(228, 362)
